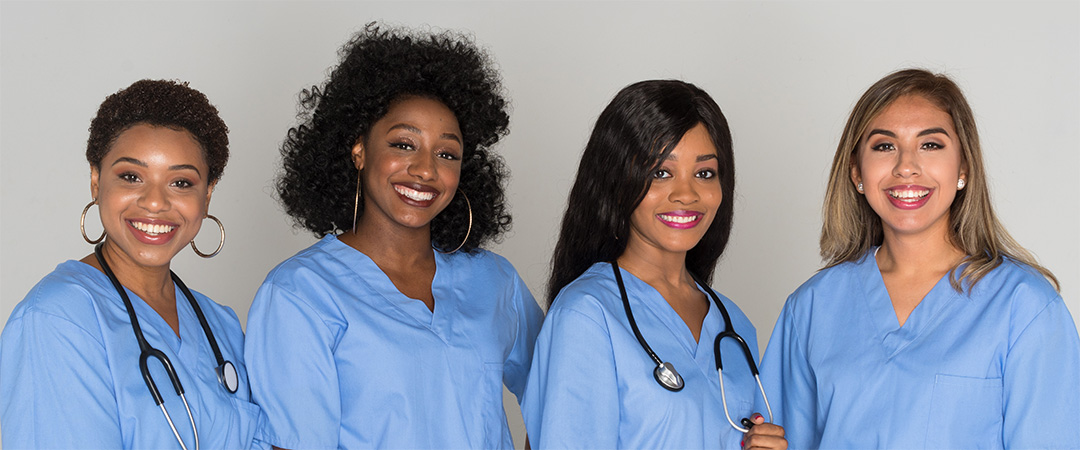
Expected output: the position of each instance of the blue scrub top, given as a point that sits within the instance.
(339, 358)
(999, 368)
(591, 385)
(70, 378)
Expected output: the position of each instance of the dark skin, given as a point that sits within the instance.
(684, 187)
(150, 177)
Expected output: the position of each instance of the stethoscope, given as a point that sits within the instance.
(665, 372)
(226, 372)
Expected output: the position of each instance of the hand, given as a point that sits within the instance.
(764, 435)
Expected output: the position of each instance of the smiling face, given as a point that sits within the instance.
(909, 162)
(682, 201)
(153, 193)
(411, 161)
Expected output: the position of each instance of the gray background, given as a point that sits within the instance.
(785, 74)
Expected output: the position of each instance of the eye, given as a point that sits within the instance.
(129, 177)
(661, 173)
(883, 147)
(402, 145)
(182, 183)
(448, 155)
(706, 174)
(932, 146)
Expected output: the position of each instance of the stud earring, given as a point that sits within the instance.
(960, 184)
(859, 188)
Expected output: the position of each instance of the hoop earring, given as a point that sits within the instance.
(220, 244)
(82, 225)
(468, 231)
(356, 202)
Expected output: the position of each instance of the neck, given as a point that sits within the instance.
(654, 267)
(152, 284)
(391, 246)
(931, 251)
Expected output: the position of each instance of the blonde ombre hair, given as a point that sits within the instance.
(851, 228)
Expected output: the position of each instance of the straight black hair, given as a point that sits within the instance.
(632, 136)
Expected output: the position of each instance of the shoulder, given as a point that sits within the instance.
(71, 293)
(738, 319)
(592, 294)
(484, 261)
(320, 261)
(1017, 286)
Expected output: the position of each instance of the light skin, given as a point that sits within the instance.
(909, 162)
(678, 209)
(410, 164)
(153, 193)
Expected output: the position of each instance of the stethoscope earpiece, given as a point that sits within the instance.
(668, 377)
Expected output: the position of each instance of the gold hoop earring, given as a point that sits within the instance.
(468, 231)
(220, 244)
(356, 202)
(82, 224)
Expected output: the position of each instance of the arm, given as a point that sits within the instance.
(1042, 383)
(789, 382)
(56, 386)
(293, 374)
(529, 319)
(572, 398)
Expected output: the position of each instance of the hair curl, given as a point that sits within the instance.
(378, 67)
(850, 227)
(632, 137)
(162, 103)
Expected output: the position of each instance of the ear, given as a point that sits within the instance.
(358, 154)
(209, 193)
(856, 175)
(963, 172)
(95, 175)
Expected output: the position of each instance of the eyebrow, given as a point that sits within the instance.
(925, 132)
(142, 164)
(700, 158)
(410, 128)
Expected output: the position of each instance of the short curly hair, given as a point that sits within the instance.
(317, 183)
(162, 103)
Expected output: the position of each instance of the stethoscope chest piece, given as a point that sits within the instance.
(668, 377)
(228, 377)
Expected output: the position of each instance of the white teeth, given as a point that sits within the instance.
(678, 219)
(414, 194)
(909, 195)
(152, 229)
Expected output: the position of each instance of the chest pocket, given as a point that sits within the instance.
(965, 412)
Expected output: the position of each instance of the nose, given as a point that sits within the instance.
(422, 166)
(683, 190)
(154, 198)
(907, 164)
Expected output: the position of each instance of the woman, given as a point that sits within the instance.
(647, 219)
(395, 330)
(71, 370)
(929, 327)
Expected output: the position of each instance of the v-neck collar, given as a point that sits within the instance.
(663, 311)
(371, 275)
(927, 314)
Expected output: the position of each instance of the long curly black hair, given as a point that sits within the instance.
(632, 137)
(162, 103)
(378, 66)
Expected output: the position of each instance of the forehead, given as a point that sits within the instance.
(695, 144)
(912, 111)
(422, 112)
(150, 143)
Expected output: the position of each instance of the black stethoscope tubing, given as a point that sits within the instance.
(665, 373)
(225, 370)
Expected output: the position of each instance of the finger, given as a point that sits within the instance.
(760, 441)
(757, 418)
